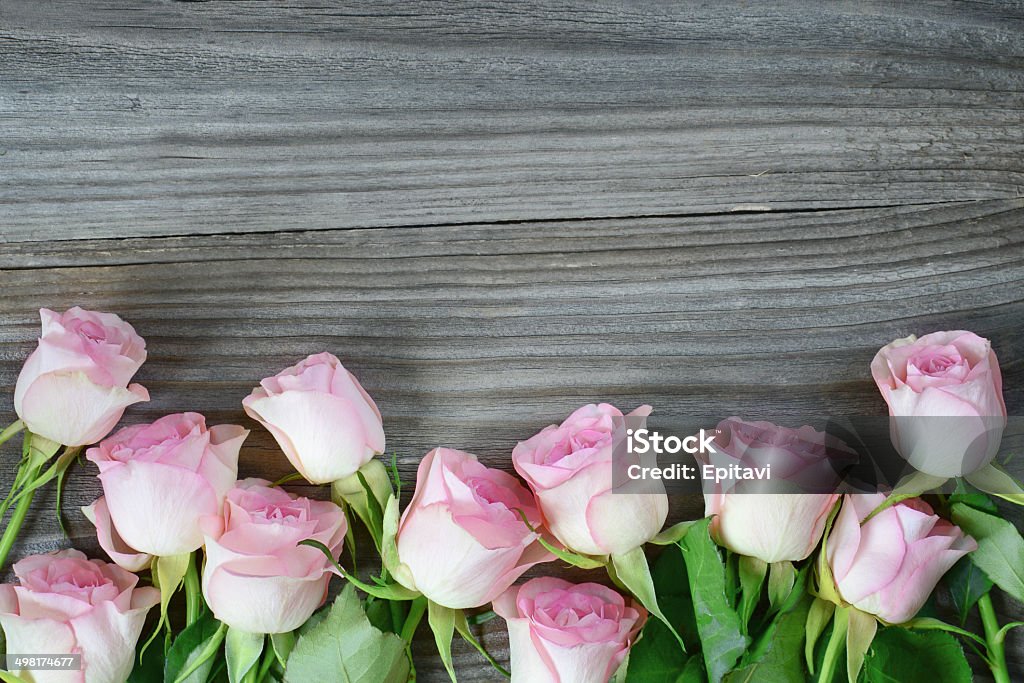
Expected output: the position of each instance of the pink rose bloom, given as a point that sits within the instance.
(257, 578)
(945, 395)
(66, 604)
(774, 527)
(889, 566)
(559, 632)
(75, 386)
(159, 479)
(569, 468)
(324, 421)
(460, 541)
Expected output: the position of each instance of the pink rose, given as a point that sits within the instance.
(66, 604)
(324, 421)
(559, 632)
(75, 386)
(945, 394)
(569, 468)
(159, 479)
(774, 527)
(460, 540)
(890, 565)
(257, 578)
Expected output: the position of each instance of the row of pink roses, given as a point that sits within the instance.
(171, 487)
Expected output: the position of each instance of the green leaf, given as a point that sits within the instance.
(968, 495)
(996, 481)
(673, 534)
(656, 656)
(718, 624)
(283, 644)
(752, 572)
(442, 623)
(462, 627)
(242, 649)
(635, 574)
(149, 667)
(167, 573)
(860, 631)
(777, 655)
(567, 556)
(966, 583)
(193, 653)
(1000, 552)
(898, 655)
(366, 492)
(386, 592)
(344, 648)
(781, 578)
(818, 616)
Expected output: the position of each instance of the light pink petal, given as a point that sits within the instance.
(72, 410)
(107, 638)
(156, 508)
(321, 434)
(263, 604)
(111, 542)
(619, 523)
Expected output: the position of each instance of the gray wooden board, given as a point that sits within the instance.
(495, 212)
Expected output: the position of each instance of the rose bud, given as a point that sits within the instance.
(774, 527)
(569, 467)
(890, 564)
(324, 421)
(75, 386)
(945, 397)
(159, 479)
(65, 604)
(257, 577)
(560, 632)
(461, 540)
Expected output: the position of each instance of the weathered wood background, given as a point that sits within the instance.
(495, 212)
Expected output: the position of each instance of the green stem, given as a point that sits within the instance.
(266, 662)
(11, 430)
(994, 640)
(193, 593)
(16, 521)
(836, 644)
(412, 620)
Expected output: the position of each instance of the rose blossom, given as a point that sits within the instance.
(945, 396)
(889, 565)
(257, 578)
(774, 527)
(159, 479)
(560, 632)
(65, 604)
(324, 421)
(75, 386)
(461, 540)
(569, 468)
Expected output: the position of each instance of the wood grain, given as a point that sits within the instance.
(496, 212)
(187, 118)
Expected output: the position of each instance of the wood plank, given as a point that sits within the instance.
(125, 120)
(477, 337)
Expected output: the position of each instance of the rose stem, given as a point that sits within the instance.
(17, 519)
(994, 639)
